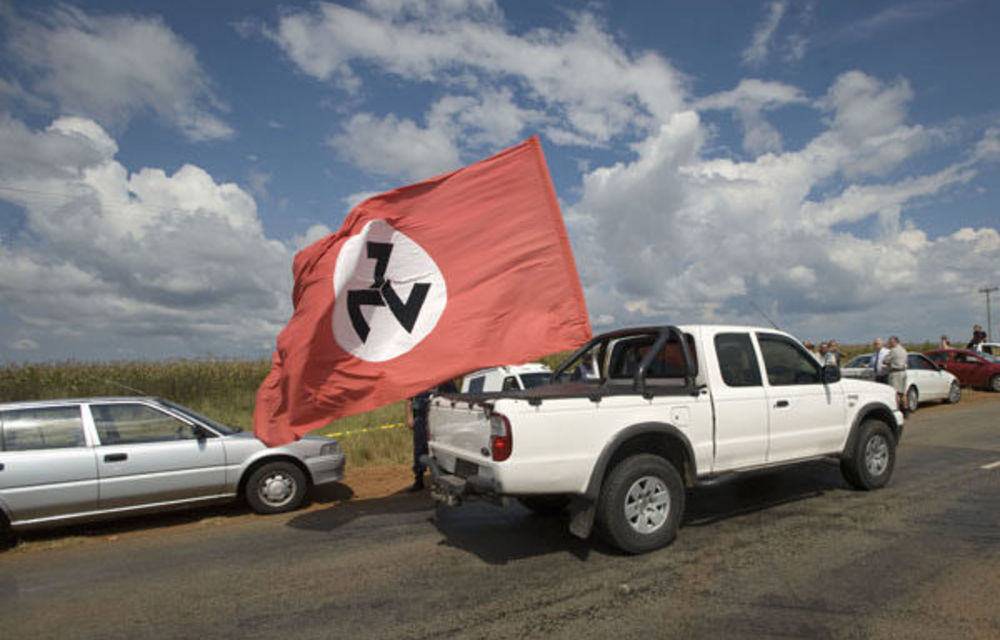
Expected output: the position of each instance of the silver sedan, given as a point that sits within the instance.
(76, 460)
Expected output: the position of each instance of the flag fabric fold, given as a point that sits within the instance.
(420, 285)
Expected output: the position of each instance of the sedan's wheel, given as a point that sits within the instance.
(276, 487)
(954, 393)
(995, 383)
(641, 504)
(912, 399)
(870, 463)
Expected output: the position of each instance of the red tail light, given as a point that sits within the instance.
(501, 437)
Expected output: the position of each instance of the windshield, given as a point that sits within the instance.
(530, 380)
(860, 361)
(218, 426)
(987, 356)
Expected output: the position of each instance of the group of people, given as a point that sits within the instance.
(828, 353)
(888, 362)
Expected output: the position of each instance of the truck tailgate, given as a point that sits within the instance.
(458, 429)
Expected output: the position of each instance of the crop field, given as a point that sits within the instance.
(225, 390)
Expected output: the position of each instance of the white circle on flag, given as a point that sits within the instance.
(380, 316)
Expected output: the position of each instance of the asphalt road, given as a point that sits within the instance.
(791, 554)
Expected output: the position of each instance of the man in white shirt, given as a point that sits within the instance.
(879, 371)
(895, 361)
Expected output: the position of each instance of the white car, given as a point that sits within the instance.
(925, 380)
(507, 378)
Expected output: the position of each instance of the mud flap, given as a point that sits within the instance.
(581, 514)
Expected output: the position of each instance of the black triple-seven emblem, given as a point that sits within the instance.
(381, 294)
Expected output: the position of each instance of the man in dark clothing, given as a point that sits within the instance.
(978, 337)
(416, 421)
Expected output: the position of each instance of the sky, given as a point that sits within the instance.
(831, 167)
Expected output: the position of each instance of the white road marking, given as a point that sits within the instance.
(992, 465)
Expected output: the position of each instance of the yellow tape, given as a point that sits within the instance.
(341, 434)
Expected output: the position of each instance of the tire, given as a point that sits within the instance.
(995, 383)
(912, 399)
(954, 393)
(870, 463)
(8, 539)
(275, 487)
(545, 505)
(641, 504)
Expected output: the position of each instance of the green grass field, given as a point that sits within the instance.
(225, 390)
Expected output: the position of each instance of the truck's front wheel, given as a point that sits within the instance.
(641, 504)
(870, 464)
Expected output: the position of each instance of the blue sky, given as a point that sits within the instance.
(831, 163)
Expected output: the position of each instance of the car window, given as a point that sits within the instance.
(531, 380)
(137, 423)
(628, 353)
(510, 382)
(917, 361)
(966, 358)
(737, 360)
(786, 362)
(476, 384)
(941, 356)
(860, 362)
(42, 428)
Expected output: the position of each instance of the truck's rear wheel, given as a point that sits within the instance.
(870, 464)
(641, 504)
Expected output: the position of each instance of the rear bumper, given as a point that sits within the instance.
(451, 489)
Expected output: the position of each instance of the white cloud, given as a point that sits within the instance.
(579, 77)
(397, 147)
(675, 235)
(748, 101)
(109, 68)
(138, 255)
(24, 344)
(763, 36)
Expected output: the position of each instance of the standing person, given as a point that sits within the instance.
(833, 353)
(978, 338)
(812, 348)
(895, 362)
(416, 421)
(824, 349)
(944, 343)
(879, 371)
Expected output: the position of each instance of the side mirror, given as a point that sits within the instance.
(831, 373)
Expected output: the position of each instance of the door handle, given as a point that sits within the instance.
(780, 404)
(115, 457)
(1, 466)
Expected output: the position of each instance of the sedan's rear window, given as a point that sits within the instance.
(42, 428)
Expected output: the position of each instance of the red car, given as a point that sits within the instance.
(972, 368)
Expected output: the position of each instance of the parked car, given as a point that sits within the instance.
(512, 377)
(973, 368)
(991, 348)
(85, 459)
(925, 380)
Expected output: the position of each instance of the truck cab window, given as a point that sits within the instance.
(786, 362)
(737, 360)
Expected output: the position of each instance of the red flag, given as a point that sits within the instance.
(422, 284)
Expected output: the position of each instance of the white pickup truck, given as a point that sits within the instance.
(636, 416)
